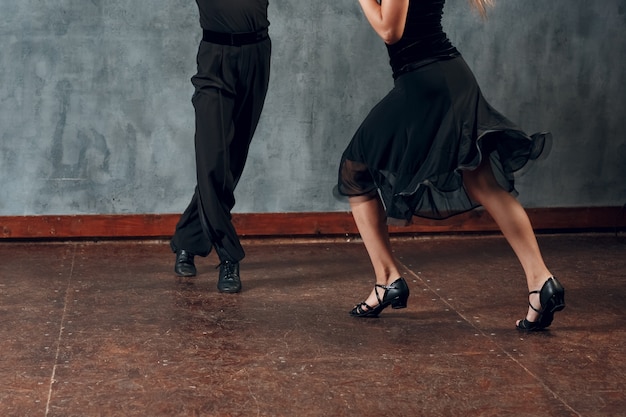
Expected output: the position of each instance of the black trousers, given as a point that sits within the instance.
(230, 89)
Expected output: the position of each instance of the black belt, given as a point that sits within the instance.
(234, 39)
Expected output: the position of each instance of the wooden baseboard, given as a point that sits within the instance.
(296, 224)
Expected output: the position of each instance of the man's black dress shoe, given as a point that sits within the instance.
(229, 280)
(184, 266)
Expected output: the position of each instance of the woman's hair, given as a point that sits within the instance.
(481, 6)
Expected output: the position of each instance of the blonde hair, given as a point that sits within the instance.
(481, 6)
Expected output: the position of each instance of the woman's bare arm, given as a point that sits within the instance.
(388, 18)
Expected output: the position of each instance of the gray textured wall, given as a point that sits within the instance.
(95, 112)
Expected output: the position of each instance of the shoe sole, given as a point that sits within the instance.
(229, 291)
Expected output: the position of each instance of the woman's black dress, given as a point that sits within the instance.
(415, 143)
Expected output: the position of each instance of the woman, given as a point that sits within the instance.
(433, 147)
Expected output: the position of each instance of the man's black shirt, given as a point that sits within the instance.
(233, 16)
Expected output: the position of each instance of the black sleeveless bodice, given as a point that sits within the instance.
(423, 40)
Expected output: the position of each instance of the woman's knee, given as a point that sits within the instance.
(480, 182)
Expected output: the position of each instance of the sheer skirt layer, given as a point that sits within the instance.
(416, 142)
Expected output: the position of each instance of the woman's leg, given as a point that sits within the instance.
(515, 225)
(370, 219)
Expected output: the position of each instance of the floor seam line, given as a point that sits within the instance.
(60, 334)
(484, 334)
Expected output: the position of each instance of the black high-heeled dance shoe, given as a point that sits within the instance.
(395, 295)
(552, 299)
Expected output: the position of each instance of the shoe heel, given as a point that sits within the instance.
(400, 302)
(401, 294)
(552, 295)
(558, 304)
(558, 301)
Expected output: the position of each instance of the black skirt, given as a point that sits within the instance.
(415, 143)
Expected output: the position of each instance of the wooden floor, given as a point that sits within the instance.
(106, 329)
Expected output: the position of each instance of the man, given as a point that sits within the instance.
(230, 87)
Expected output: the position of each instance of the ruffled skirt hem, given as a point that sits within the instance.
(415, 144)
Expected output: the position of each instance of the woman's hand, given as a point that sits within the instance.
(387, 18)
